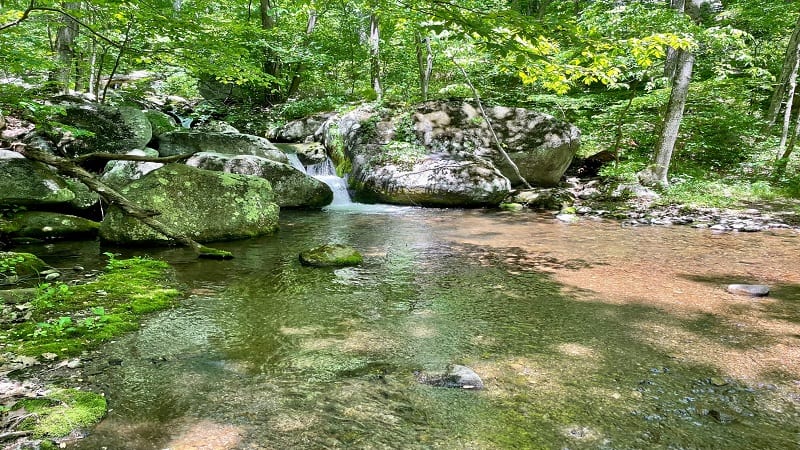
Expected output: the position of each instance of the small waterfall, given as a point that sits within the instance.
(326, 173)
(294, 161)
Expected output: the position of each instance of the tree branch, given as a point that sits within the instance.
(23, 17)
(100, 156)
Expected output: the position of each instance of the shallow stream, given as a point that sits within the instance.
(587, 335)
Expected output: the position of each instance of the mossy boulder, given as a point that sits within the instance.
(20, 264)
(189, 141)
(49, 225)
(202, 204)
(138, 124)
(292, 188)
(85, 198)
(27, 183)
(331, 255)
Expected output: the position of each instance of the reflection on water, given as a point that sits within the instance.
(586, 336)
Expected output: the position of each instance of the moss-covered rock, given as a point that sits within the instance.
(139, 126)
(204, 205)
(331, 255)
(21, 264)
(85, 198)
(25, 183)
(160, 122)
(61, 411)
(119, 174)
(48, 225)
(292, 188)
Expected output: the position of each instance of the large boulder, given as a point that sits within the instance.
(48, 225)
(202, 204)
(300, 130)
(540, 145)
(141, 130)
(121, 173)
(160, 122)
(187, 141)
(292, 188)
(28, 183)
(431, 181)
(20, 264)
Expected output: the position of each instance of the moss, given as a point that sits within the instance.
(67, 320)
(62, 411)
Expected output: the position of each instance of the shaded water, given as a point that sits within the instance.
(586, 336)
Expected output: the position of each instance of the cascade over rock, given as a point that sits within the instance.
(204, 205)
(292, 188)
(187, 141)
(441, 152)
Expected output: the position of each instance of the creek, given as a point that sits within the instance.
(587, 335)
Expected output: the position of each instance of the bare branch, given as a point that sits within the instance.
(100, 156)
(23, 17)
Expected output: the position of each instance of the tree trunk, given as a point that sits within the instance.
(656, 172)
(787, 111)
(65, 41)
(424, 64)
(298, 75)
(789, 64)
(374, 56)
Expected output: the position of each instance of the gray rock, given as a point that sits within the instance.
(139, 125)
(85, 198)
(455, 376)
(204, 205)
(182, 142)
(292, 188)
(300, 130)
(217, 126)
(752, 290)
(118, 174)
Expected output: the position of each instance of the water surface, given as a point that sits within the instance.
(587, 336)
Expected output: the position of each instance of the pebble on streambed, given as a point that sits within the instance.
(752, 290)
(455, 376)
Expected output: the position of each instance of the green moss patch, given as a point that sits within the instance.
(66, 320)
(22, 264)
(331, 255)
(61, 411)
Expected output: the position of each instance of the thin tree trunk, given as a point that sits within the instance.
(787, 112)
(374, 56)
(656, 172)
(424, 64)
(298, 76)
(67, 167)
(118, 59)
(789, 64)
(65, 41)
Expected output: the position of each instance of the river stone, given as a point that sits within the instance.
(292, 188)
(204, 205)
(49, 225)
(331, 255)
(455, 376)
(432, 182)
(217, 126)
(185, 141)
(28, 183)
(752, 290)
(22, 264)
(118, 174)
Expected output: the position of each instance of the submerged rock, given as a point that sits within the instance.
(752, 290)
(204, 205)
(455, 376)
(331, 255)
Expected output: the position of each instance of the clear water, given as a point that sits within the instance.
(579, 343)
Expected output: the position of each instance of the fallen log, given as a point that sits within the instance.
(111, 196)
